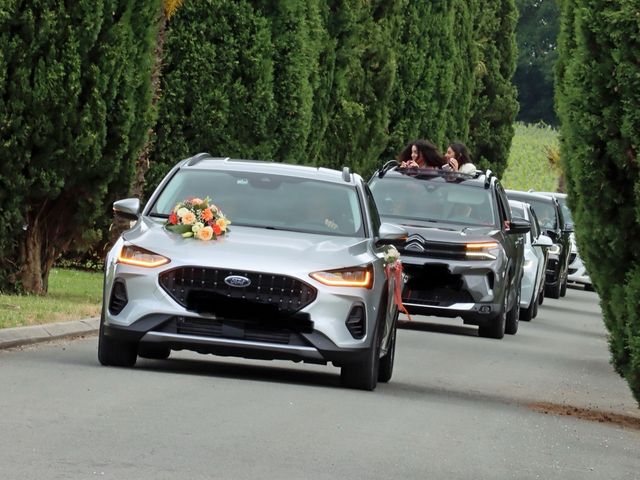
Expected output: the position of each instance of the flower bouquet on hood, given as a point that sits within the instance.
(197, 218)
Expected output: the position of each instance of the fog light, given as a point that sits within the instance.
(356, 322)
(485, 309)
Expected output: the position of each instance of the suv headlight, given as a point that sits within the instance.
(482, 250)
(346, 277)
(140, 257)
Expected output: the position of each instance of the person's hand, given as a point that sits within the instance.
(454, 164)
(409, 164)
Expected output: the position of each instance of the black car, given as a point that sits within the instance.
(552, 222)
(464, 254)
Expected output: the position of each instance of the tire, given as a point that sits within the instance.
(363, 375)
(385, 369)
(511, 325)
(496, 328)
(528, 314)
(541, 296)
(155, 352)
(113, 352)
(553, 292)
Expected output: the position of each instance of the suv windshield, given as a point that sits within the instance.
(433, 200)
(269, 201)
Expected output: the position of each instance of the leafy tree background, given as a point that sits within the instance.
(74, 87)
(598, 95)
(536, 35)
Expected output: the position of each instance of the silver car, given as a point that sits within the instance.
(299, 274)
(536, 249)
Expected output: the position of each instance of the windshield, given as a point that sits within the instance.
(545, 212)
(407, 199)
(269, 201)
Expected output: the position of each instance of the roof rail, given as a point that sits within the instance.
(198, 157)
(346, 174)
(386, 167)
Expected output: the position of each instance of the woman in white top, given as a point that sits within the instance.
(458, 158)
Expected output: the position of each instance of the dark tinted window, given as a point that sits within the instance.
(407, 199)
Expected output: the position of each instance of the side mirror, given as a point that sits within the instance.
(568, 228)
(127, 208)
(519, 225)
(390, 233)
(543, 241)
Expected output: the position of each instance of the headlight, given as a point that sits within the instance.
(483, 250)
(555, 249)
(346, 277)
(132, 255)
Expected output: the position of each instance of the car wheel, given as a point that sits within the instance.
(553, 292)
(527, 314)
(511, 325)
(563, 288)
(156, 352)
(496, 328)
(535, 308)
(363, 375)
(385, 370)
(115, 352)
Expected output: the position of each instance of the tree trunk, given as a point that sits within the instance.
(31, 274)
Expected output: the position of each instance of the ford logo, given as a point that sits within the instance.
(237, 281)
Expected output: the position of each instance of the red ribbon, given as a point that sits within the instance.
(396, 271)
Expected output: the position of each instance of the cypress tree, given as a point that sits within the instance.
(364, 71)
(495, 106)
(74, 83)
(434, 87)
(217, 86)
(598, 98)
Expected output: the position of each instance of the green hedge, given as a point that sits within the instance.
(598, 93)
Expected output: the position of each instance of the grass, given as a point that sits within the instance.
(528, 166)
(73, 295)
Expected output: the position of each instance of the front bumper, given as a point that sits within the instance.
(468, 289)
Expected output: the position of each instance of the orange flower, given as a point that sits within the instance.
(206, 214)
(216, 229)
(205, 233)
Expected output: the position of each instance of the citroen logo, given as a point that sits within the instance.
(237, 281)
(414, 247)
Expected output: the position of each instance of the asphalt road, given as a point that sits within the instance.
(458, 407)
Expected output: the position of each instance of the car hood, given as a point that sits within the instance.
(450, 233)
(254, 249)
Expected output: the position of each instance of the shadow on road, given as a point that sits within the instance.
(422, 326)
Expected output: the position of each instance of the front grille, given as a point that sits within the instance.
(552, 265)
(204, 290)
(418, 246)
(434, 285)
(260, 331)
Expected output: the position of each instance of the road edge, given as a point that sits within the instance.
(19, 336)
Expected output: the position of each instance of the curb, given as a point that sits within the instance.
(18, 336)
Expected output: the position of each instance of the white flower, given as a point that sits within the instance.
(391, 255)
(197, 227)
(182, 212)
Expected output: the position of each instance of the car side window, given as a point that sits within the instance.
(535, 230)
(373, 210)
